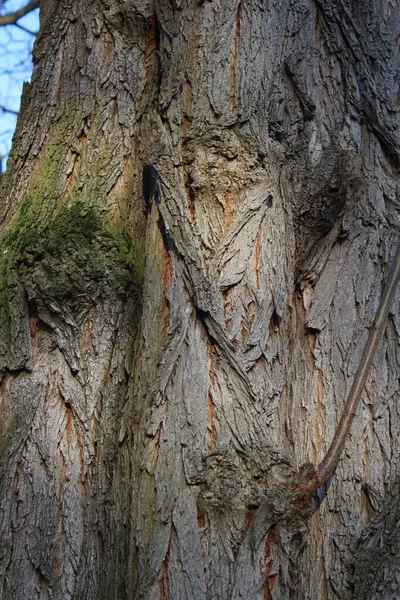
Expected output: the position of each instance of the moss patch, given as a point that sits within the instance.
(6, 263)
(62, 244)
(72, 226)
(74, 257)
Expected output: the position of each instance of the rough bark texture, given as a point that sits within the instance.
(197, 221)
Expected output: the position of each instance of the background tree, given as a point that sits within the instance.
(18, 28)
(200, 211)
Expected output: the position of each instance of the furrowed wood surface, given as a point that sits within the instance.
(168, 366)
(320, 475)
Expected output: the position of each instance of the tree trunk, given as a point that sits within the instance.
(197, 221)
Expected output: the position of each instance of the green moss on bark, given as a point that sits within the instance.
(63, 239)
(74, 253)
(6, 263)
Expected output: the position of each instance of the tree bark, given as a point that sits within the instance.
(198, 218)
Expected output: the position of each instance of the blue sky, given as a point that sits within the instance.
(15, 68)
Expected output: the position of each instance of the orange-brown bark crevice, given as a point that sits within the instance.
(317, 540)
(210, 424)
(324, 580)
(163, 581)
(150, 47)
(151, 38)
(191, 204)
(86, 338)
(235, 49)
(163, 585)
(69, 425)
(270, 579)
(248, 519)
(187, 105)
(232, 195)
(110, 53)
(33, 325)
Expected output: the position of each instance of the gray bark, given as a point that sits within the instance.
(199, 215)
